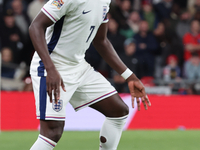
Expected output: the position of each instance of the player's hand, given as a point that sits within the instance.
(53, 82)
(137, 92)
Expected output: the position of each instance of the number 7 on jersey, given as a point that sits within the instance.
(91, 29)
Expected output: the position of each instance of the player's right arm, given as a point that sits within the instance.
(37, 33)
(107, 52)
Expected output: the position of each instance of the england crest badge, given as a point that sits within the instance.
(57, 107)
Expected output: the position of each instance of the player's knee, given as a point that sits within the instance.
(52, 129)
(58, 135)
(124, 111)
(55, 134)
(121, 111)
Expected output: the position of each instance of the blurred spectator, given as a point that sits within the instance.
(7, 55)
(173, 19)
(22, 21)
(163, 9)
(1, 6)
(146, 45)
(160, 36)
(8, 4)
(9, 68)
(11, 35)
(169, 43)
(21, 17)
(134, 22)
(7, 59)
(197, 16)
(183, 25)
(129, 56)
(136, 5)
(159, 33)
(149, 15)
(35, 7)
(191, 40)
(121, 12)
(130, 60)
(193, 6)
(190, 6)
(172, 71)
(192, 67)
(115, 38)
(12, 74)
(156, 1)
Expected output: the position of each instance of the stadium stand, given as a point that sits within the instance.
(168, 22)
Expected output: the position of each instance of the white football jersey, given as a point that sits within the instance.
(75, 25)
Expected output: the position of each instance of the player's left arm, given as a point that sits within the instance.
(107, 52)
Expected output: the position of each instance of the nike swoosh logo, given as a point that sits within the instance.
(85, 12)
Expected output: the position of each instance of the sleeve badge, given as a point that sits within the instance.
(57, 3)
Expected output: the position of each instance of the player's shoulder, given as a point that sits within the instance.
(57, 3)
(106, 1)
(75, 2)
(89, 1)
(61, 3)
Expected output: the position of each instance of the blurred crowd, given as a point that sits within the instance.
(159, 40)
(15, 44)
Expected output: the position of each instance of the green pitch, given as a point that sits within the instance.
(131, 140)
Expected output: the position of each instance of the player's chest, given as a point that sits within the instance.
(92, 11)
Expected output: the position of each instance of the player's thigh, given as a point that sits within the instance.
(112, 106)
(93, 89)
